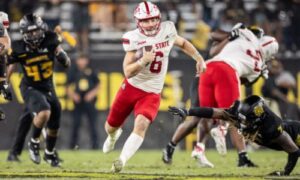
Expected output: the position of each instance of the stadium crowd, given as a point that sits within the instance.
(278, 18)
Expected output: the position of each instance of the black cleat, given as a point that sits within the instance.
(59, 159)
(34, 151)
(12, 157)
(168, 154)
(52, 159)
(244, 161)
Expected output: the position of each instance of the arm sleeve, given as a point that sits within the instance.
(128, 42)
(201, 112)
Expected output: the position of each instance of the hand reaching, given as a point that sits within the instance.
(201, 67)
(178, 112)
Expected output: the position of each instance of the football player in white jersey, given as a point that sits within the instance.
(4, 47)
(144, 78)
(247, 62)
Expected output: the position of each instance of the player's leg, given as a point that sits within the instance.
(37, 104)
(181, 132)
(227, 91)
(206, 99)
(145, 111)
(92, 118)
(185, 127)
(76, 123)
(203, 129)
(53, 124)
(23, 127)
(121, 108)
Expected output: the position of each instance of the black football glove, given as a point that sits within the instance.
(5, 90)
(233, 114)
(234, 109)
(178, 112)
(278, 173)
(235, 33)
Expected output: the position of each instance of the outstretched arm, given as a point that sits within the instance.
(288, 145)
(202, 112)
(230, 114)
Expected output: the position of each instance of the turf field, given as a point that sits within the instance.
(146, 165)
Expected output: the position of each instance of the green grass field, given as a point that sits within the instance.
(146, 165)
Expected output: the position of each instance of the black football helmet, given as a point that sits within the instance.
(32, 28)
(257, 31)
(253, 110)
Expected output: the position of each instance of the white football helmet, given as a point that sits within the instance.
(269, 47)
(147, 10)
(4, 19)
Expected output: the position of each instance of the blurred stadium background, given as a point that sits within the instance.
(98, 25)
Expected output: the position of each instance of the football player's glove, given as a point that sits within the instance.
(278, 173)
(265, 72)
(5, 90)
(233, 114)
(235, 33)
(178, 112)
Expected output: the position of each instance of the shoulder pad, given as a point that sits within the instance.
(18, 47)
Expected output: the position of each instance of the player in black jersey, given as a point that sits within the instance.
(257, 123)
(36, 54)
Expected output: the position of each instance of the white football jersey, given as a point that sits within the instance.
(151, 78)
(243, 54)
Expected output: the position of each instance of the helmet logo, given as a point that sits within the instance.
(258, 110)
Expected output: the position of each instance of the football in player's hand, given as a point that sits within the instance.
(139, 52)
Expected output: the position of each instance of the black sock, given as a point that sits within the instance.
(242, 154)
(172, 144)
(50, 143)
(36, 132)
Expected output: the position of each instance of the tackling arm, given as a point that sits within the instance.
(202, 112)
(230, 114)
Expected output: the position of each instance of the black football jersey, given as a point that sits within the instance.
(270, 129)
(38, 64)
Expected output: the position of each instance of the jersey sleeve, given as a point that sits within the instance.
(53, 39)
(14, 52)
(272, 126)
(128, 40)
(172, 29)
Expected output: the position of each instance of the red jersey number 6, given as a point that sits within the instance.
(155, 66)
